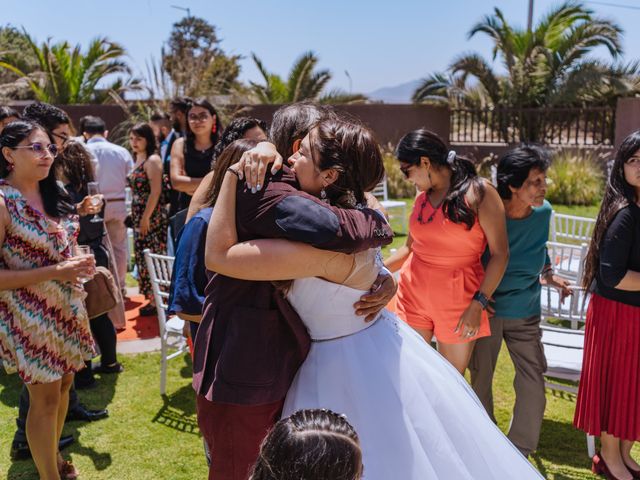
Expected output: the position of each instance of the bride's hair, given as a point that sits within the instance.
(310, 444)
(351, 149)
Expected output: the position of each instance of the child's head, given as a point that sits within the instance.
(310, 445)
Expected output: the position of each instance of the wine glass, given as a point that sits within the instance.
(94, 191)
(82, 251)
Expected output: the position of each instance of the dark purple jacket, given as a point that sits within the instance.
(251, 342)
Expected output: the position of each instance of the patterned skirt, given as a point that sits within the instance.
(44, 331)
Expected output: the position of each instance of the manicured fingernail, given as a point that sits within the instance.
(240, 175)
(274, 171)
(253, 189)
(259, 187)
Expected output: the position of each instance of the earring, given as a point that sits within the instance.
(9, 166)
(214, 129)
(323, 195)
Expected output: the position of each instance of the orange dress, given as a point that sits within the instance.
(441, 275)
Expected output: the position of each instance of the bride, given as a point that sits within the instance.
(416, 416)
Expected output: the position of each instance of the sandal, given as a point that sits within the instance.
(67, 470)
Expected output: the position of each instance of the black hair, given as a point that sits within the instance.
(235, 131)
(310, 445)
(182, 104)
(618, 194)
(47, 115)
(158, 116)
(55, 199)
(8, 112)
(514, 167)
(293, 122)
(351, 149)
(145, 131)
(424, 143)
(204, 103)
(75, 164)
(94, 125)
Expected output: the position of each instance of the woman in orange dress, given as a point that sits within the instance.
(443, 288)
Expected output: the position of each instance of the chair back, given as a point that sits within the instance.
(160, 268)
(570, 228)
(380, 190)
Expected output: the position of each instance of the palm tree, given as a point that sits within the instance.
(548, 66)
(303, 83)
(65, 75)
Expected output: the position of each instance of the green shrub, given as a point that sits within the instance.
(575, 179)
(397, 185)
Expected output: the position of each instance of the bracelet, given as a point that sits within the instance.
(546, 270)
(482, 299)
(231, 170)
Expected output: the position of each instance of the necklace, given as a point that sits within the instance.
(433, 214)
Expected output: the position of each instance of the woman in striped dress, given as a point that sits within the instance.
(44, 329)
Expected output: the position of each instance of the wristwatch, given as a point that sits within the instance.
(481, 298)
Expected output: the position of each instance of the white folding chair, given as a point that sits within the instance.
(160, 268)
(563, 347)
(571, 228)
(381, 193)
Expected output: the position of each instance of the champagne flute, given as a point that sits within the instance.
(82, 251)
(94, 191)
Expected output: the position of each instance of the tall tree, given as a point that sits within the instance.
(64, 74)
(195, 62)
(547, 66)
(15, 46)
(303, 83)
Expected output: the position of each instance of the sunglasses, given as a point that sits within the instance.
(40, 149)
(203, 117)
(64, 138)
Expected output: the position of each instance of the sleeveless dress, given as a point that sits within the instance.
(444, 270)
(197, 163)
(416, 416)
(156, 238)
(44, 328)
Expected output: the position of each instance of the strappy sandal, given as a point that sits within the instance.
(67, 470)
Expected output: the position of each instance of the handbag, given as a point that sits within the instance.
(102, 293)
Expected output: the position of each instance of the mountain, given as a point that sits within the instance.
(397, 94)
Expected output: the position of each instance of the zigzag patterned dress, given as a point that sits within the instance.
(44, 328)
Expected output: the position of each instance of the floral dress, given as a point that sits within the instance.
(44, 328)
(156, 238)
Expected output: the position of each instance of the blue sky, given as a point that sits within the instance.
(380, 43)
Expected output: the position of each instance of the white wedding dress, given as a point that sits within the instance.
(416, 416)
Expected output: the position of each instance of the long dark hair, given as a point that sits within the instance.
(424, 143)
(229, 156)
(75, 165)
(204, 103)
(310, 445)
(55, 200)
(235, 131)
(617, 195)
(351, 149)
(145, 131)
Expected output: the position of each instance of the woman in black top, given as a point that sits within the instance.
(76, 170)
(191, 156)
(608, 401)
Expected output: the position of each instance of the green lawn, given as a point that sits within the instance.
(151, 437)
(148, 437)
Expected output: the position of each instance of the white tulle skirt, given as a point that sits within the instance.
(416, 416)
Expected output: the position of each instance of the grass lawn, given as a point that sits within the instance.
(148, 437)
(151, 437)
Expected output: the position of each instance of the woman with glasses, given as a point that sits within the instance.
(191, 156)
(44, 329)
(444, 290)
(148, 217)
(608, 403)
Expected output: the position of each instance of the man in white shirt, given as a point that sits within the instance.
(113, 165)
